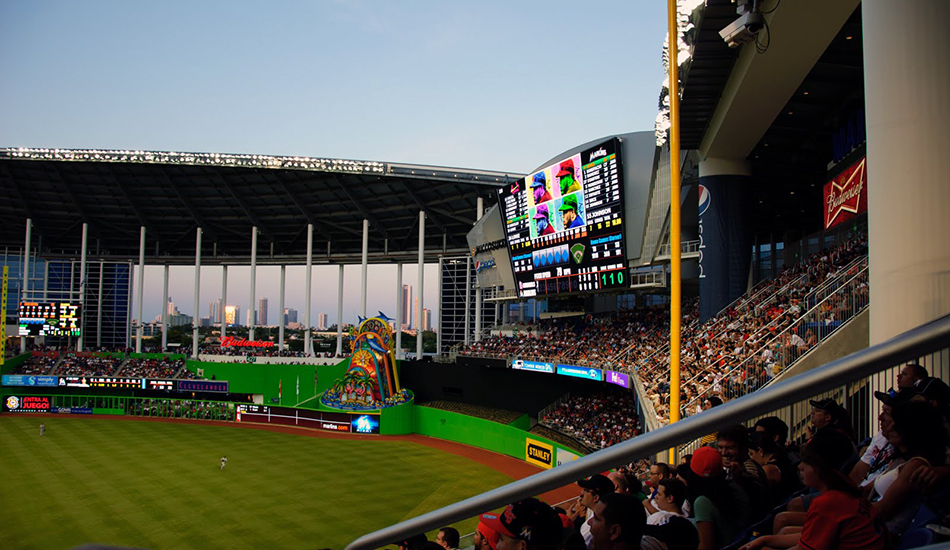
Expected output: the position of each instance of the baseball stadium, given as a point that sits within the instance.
(656, 339)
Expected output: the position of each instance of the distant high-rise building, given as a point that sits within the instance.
(406, 306)
(251, 318)
(213, 313)
(321, 321)
(170, 307)
(426, 319)
(232, 315)
(290, 315)
(262, 312)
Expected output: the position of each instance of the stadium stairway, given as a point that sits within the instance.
(851, 337)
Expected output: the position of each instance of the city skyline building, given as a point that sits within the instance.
(290, 315)
(406, 306)
(321, 321)
(261, 312)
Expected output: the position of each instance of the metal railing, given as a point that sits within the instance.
(913, 344)
(686, 248)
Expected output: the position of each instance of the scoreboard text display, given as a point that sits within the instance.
(49, 319)
(564, 224)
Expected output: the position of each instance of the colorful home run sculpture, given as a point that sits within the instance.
(371, 381)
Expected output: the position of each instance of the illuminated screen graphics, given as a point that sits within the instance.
(564, 224)
(49, 319)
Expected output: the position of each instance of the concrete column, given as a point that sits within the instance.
(140, 292)
(224, 300)
(307, 347)
(399, 305)
(165, 308)
(280, 313)
(438, 318)
(194, 323)
(479, 212)
(82, 284)
(421, 292)
(252, 310)
(339, 314)
(468, 302)
(25, 286)
(102, 272)
(906, 78)
(724, 232)
(364, 263)
(521, 312)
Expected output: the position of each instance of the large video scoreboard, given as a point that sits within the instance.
(49, 319)
(564, 224)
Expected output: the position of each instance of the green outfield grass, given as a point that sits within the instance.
(159, 485)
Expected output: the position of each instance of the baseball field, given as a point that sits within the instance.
(159, 485)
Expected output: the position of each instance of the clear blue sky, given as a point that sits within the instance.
(486, 84)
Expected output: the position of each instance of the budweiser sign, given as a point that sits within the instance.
(846, 196)
(229, 342)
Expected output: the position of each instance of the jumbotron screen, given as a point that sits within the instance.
(564, 224)
(49, 319)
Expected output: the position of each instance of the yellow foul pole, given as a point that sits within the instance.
(674, 220)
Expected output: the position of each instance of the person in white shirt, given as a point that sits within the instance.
(669, 500)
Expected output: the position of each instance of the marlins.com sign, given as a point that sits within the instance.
(538, 453)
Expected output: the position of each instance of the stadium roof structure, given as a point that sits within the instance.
(737, 105)
(173, 193)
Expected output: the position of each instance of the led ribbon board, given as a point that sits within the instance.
(564, 224)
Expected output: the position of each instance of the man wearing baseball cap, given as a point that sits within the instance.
(485, 538)
(539, 187)
(525, 525)
(569, 214)
(542, 220)
(592, 489)
(566, 178)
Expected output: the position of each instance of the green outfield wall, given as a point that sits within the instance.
(265, 379)
(481, 433)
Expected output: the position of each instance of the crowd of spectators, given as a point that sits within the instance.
(597, 421)
(748, 343)
(88, 365)
(733, 353)
(751, 487)
(153, 368)
(40, 363)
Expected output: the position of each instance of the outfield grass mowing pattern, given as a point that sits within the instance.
(159, 485)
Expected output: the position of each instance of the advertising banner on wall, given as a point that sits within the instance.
(26, 404)
(725, 241)
(539, 453)
(580, 372)
(28, 380)
(618, 378)
(534, 366)
(846, 195)
(321, 420)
